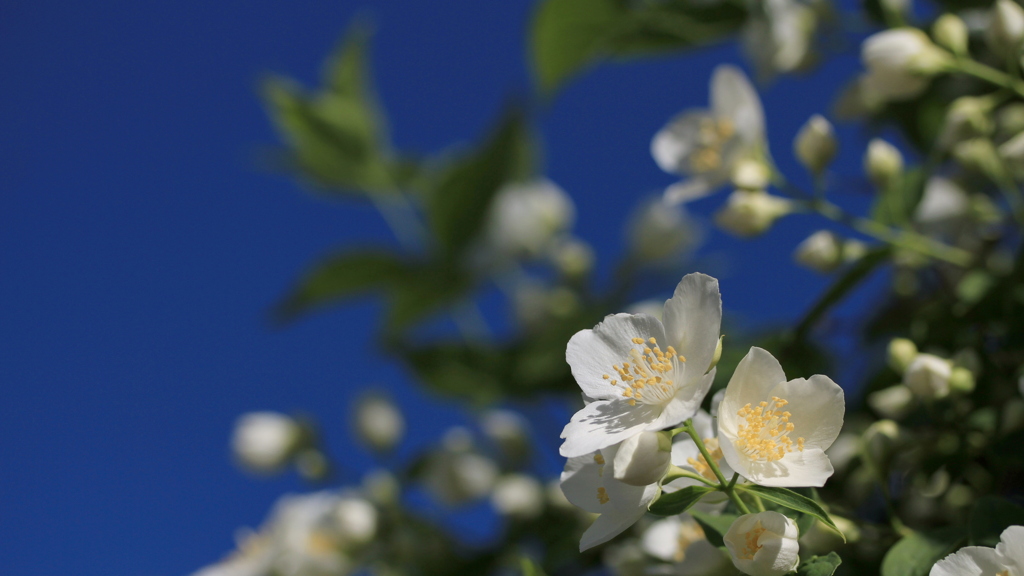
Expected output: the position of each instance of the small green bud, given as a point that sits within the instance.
(961, 380)
(815, 145)
(980, 154)
(950, 32)
(882, 162)
(718, 354)
(901, 353)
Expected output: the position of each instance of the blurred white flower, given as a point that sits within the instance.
(821, 252)
(816, 145)
(942, 204)
(305, 535)
(254, 557)
(763, 544)
(264, 441)
(661, 231)
(893, 402)
(775, 432)
(680, 540)
(631, 382)
(899, 63)
(882, 162)
(967, 117)
(526, 217)
(1006, 559)
(779, 39)
(643, 458)
(455, 474)
(356, 520)
(379, 423)
(706, 144)
(1006, 29)
(508, 431)
(519, 496)
(928, 376)
(572, 256)
(747, 214)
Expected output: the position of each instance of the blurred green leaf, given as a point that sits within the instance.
(793, 501)
(425, 288)
(342, 276)
(896, 202)
(915, 554)
(990, 516)
(457, 208)
(530, 567)
(679, 501)
(820, 565)
(568, 35)
(715, 526)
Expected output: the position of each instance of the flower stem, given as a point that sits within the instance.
(988, 74)
(723, 485)
(675, 472)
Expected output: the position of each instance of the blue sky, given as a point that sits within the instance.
(144, 241)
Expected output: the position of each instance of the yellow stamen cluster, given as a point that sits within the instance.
(751, 546)
(646, 377)
(602, 495)
(765, 436)
(700, 464)
(689, 532)
(711, 138)
(599, 460)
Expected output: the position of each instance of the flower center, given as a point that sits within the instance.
(689, 532)
(765, 436)
(647, 377)
(700, 464)
(712, 135)
(751, 546)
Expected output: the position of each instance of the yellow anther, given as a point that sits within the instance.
(598, 458)
(764, 434)
(682, 358)
(652, 340)
(606, 376)
(671, 351)
(602, 495)
(638, 340)
(632, 402)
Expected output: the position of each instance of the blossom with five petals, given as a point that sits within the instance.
(1006, 559)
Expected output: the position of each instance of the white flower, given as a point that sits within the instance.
(705, 144)
(763, 544)
(899, 63)
(780, 40)
(680, 539)
(379, 423)
(254, 557)
(1006, 559)
(356, 520)
(526, 217)
(455, 474)
(264, 441)
(815, 145)
(640, 373)
(660, 230)
(304, 533)
(747, 214)
(943, 203)
(588, 483)
(519, 496)
(775, 432)
(893, 402)
(928, 376)
(1006, 30)
(821, 252)
(643, 458)
(882, 162)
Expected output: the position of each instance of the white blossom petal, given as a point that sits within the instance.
(1011, 547)
(688, 190)
(604, 423)
(685, 403)
(733, 96)
(592, 353)
(969, 561)
(818, 406)
(693, 321)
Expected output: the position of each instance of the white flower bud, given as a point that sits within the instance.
(854, 250)
(660, 230)
(882, 162)
(893, 402)
(264, 441)
(379, 423)
(967, 117)
(525, 217)
(820, 252)
(815, 144)
(979, 154)
(961, 380)
(901, 353)
(763, 544)
(928, 376)
(880, 439)
(899, 63)
(1012, 153)
(642, 459)
(750, 174)
(355, 520)
(1005, 32)
(519, 496)
(896, 6)
(717, 356)
(751, 213)
(950, 32)
(1010, 120)
(572, 256)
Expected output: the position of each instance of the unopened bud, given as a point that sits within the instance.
(967, 117)
(961, 380)
(928, 376)
(980, 154)
(1007, 27)
(643, 459)
(901, 353)
(820, 252)
(883, 162)
(718, 354)
(748, 214)
(573, 257)
(950, 32)
(1010, 120)
(763, 544)
(880, 439)
(854, 250)
(1012, 153)
(379, 423)
(815, 145)
(264, 441)
(519, 496)
(893, 402)
(751, 175)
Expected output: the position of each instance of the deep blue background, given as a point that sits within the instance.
(143, 243)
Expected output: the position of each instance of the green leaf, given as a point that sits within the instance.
(990, 516)
(338, 135)
(425, 289)
(847, 282)
(714, 527)
(820, 565)
(915, 554)
(457, 208)
(568, 35)
(679, 501)
(793, 501)
(342, 276)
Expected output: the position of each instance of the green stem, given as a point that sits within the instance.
(988, 74)
(723, 485)
(901, 238)
(757, 502)
(675, 472)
